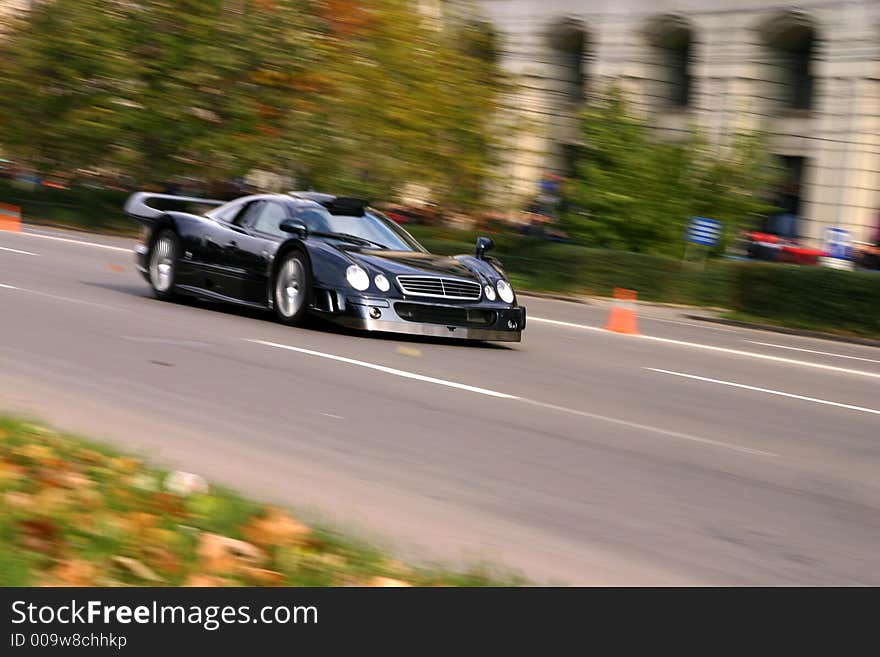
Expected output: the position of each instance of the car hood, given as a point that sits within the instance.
(397, 263)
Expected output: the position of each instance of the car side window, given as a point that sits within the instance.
(248, 214)
(269, 218)
(226, 212)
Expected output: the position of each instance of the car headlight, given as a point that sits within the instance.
(382, 282)
(504, 291)
(489, 291)
(357, 277)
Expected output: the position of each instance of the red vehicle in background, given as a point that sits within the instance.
(406, 214)
(777, 240)
(775, 248)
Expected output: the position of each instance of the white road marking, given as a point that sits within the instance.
(812, 351)
(387, 370)
(709, 347)
(335, 417)
(503, 395)
(55, 296)
(646, 427)
(72, 241)
(568, 324)
(168, 341)
(768, 391)
(3, 248)
(649, 318)
(754, 354)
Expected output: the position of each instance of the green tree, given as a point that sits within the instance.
(635, 192)
(155, 88)
(409, 99)
(211, 83)
(62, 73)
(359, 96)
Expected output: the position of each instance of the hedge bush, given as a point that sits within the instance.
(560, 267)
(809, 297)
(81, 207)
(802, 297)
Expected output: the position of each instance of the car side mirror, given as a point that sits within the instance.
(294, 227)
(484, 244)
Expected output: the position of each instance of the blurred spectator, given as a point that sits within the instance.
(535, 225)
(549, 195)
(868, 255)
(784, 225)
(542, 214)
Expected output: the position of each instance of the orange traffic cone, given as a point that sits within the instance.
(10, 217)
(623, 313)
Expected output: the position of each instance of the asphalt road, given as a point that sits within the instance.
(692, 454)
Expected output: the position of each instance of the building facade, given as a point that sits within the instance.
(807, 73)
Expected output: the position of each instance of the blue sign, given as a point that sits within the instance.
(838, 243)
(704, 231)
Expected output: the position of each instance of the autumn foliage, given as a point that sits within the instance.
(345, 17)
(73, 514)
(353, 96)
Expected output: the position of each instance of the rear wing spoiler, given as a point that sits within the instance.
(345, 205)
(138, 204)
(342, 205)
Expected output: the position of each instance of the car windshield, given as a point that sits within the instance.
(373, 227)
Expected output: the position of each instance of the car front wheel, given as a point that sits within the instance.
(291, 289)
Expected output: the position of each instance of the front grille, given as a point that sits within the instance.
(434, 286)
(414, 312)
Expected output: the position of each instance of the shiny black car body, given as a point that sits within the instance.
(307, 253)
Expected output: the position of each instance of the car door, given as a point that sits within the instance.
(221, 272)
(254, 251)
(191, 271)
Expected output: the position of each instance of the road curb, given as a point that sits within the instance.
(555, 297)
(591, 299)
(106, 232)
(806, 333)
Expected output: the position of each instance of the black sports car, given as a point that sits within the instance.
(335, 257)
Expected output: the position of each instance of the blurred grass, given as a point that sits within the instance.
(78, 514)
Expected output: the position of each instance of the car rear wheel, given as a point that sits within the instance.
(291, 289)
(163, 264)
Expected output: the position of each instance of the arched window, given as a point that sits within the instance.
(568, 49)
(790, 44)
(568, 46)
(671, 43)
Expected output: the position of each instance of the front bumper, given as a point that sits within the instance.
(359, 312)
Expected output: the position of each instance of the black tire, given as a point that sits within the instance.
(292, 288)
(162, 264)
